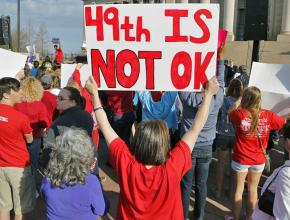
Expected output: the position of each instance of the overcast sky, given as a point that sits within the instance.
(63, 18)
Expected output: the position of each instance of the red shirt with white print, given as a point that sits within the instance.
(13, 126)
(247, 148)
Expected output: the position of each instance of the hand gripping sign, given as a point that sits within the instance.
(162, 47)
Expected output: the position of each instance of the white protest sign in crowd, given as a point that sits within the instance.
(11, 63)
(68, 69)
(274, 82)
(129, 49)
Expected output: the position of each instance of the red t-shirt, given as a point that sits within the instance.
(149, 193)
(49, 100)
(120, 101)
(37, 114)
(247, 148)
(58, 56)
(89, 100)
(13, 126)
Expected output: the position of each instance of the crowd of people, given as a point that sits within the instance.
(161, 145)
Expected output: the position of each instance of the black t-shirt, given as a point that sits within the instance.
(74, 116)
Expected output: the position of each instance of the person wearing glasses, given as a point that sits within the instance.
(70, 104)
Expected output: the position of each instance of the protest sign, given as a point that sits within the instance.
(174, 47)
(67, 71)
(11, 63)
(55, 40)
(222, 37)
(274, 82)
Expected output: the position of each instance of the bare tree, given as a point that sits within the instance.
(30, 32)
(23, 40)
(41, 39)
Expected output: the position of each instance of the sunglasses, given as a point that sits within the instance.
(60, 98)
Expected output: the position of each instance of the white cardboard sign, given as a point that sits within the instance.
(67, 71)
(11, 63)
(162, 47)
(274, 82)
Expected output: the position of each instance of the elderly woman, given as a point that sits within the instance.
(36, 111)
(69, 190)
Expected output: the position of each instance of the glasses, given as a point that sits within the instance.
(60, 98)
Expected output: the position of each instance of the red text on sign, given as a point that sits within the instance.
(114, 67)
(110, 16)
(177, 14)
(182, 81)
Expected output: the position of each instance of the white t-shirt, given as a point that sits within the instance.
(281, 188)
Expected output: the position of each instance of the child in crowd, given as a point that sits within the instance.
(149, 172)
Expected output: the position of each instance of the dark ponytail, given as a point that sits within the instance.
(75, 95)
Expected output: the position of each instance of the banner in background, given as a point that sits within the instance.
(11, 63)
(162, 47)
(67, 71)
(274, 82)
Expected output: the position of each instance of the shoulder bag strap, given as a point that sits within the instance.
(261, 145)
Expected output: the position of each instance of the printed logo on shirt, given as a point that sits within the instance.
(4, 119)
(246, 124)
(263, 127)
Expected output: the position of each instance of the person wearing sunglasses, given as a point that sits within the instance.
(70, 104)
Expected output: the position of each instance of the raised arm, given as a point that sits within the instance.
(191, 135)
(99, 112)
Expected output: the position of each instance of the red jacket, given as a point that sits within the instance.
(58, 56)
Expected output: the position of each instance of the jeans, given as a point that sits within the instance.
(33, 150)
(200, 168)
(122, 125)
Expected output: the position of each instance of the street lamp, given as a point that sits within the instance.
(18, 25)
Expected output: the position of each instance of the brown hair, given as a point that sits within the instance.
(235, 88)
(151, 142)
(251, 101)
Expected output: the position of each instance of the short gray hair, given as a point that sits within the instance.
(71, 158)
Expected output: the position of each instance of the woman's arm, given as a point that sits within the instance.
(191, 135)
(99, 112)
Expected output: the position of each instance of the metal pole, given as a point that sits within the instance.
(18, 25)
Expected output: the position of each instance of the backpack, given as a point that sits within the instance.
(224, 126)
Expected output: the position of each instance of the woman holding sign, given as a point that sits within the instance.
(149, 173)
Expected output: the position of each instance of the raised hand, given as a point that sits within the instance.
(91, 86)
(212, 86)
(79, 66)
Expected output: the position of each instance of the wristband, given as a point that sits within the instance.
(98, 108)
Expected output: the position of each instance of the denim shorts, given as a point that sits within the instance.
(247, 168)
(224, 142)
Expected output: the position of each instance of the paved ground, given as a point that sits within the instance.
(215, 208)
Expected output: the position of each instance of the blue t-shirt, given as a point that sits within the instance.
(79, 202)
(33, 72)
